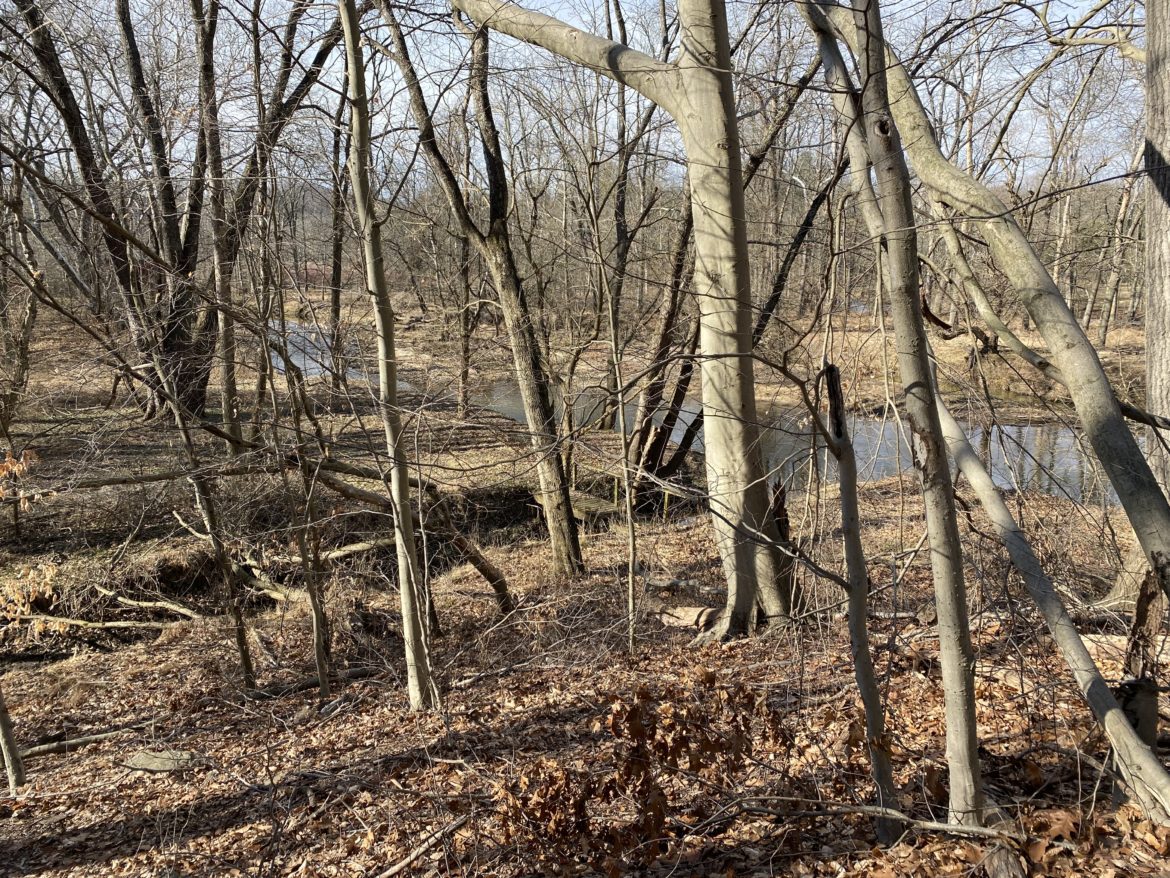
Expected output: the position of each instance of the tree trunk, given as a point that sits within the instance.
(421, 687)
(698, 93)
(13, 764)
(736, 484)
(337, 244)
(1157, 154)
(874, 141)
(888, 830)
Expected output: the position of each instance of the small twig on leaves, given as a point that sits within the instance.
(427, 843)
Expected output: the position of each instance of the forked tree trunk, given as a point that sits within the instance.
(217, 189)
(420, 684)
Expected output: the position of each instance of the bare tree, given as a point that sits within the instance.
(421, 687)
(698, 93)
(495, 248)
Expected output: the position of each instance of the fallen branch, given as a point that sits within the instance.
(67, 745)
(127, 479)
(701, 618)
(83, 623)
(893, 814)
(347, 550)
(178, 609)
(279, 690)
(427, 843)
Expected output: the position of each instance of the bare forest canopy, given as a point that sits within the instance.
(621, 437)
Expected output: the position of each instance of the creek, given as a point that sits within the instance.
(1043, 456)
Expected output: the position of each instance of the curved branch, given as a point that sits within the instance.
(656, 80)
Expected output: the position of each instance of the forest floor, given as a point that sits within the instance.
(556, 751)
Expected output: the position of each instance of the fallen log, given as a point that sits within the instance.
(67, 745)
(178, 609)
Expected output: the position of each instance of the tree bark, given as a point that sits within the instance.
(873, 141)
(1143, 772)
(1157, 156)
(421, 687)
(13, 764)
(699, 94)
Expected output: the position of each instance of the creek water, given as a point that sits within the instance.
(1046, 457)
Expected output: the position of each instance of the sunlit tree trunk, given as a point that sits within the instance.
(13, 764)
(1157, 157)
(421, 687)
(698, 93)
(494, 246)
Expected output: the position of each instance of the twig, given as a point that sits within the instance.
(426, 844)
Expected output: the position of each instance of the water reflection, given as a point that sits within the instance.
(1043, 457)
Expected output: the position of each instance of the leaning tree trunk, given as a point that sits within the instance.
(857, 574)
(873, 142)
(1144, 774)
(420, 684)
(1070, 351)
(494, 247)
(955, 650)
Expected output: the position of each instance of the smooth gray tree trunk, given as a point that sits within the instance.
(421, 688)
(874, 145)
(698, 93)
